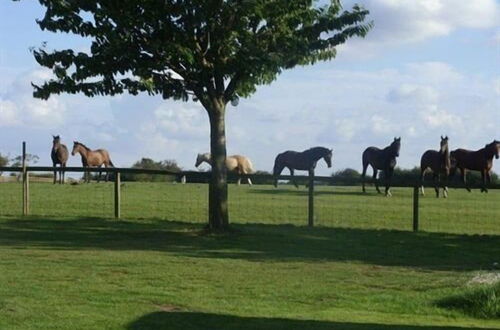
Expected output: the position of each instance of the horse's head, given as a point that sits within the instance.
(76, 147)
(396, 146)
(201, 158)
(444, 144)
(55, 140)
(494, 148)
(328, 158)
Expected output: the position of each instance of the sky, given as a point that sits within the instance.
(427, 68)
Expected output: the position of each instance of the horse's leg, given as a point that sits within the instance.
(55, 173)
(107, 173)
(249, 182)
(388, 175)
(422, 176)
(463, 173)
(484, 177)
(365, 166)
(293, 178)
(276, 172)
(375, 172)
(435, 176)
(238, 182)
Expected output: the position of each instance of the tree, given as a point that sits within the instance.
(4, 161)
(148, 163)
(213, 51)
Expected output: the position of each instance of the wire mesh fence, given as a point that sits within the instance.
(333, 205)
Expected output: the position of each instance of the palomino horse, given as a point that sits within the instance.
(235, 163)
(303, 161)
(439, 163)
(59, 155)
(92, 158)
(480, 160)
(381, 159)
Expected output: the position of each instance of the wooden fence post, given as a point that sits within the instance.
(117, 195)
(415, 208)
(25, 182)
(311, 200)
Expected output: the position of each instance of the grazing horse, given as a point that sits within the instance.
(439, 163)
(59, 155)
(303, 161)
(92, 158)
(235, 163)
(480, 160)
(381, 159)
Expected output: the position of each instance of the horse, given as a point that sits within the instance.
(302, 161)
(381, 159)
(59, 155)
(439, 163)
(235, 163)
(479, 160)
(92, 158)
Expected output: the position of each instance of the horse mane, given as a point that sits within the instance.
(316, 149)
(83, 145)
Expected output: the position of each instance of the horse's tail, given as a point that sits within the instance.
(111, 163)
(277, 165)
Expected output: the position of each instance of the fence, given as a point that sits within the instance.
(323, 202)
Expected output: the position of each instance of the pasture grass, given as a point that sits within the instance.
(70, 266)
(344, 207)
(481, 302)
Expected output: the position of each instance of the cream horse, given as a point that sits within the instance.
(235, 163)
(92, 158)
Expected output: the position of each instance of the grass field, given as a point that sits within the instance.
(70, 266)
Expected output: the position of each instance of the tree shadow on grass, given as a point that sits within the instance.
(258, 242)
(193, 321)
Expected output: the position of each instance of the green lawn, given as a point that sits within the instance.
(70, 266)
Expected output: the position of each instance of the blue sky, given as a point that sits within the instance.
(428, 68)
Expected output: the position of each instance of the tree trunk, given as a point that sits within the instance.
(218, 218)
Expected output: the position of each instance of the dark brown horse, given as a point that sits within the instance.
(439, 163)
(381, 159)
(59, 155)
(480, 160)
(92, 158)
(303, 161)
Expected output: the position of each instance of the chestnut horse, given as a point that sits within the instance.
(439, 163)
(92, 158)
(303, 161)
(235, 163)
(381, 159)
(59, 155)
(480, 160)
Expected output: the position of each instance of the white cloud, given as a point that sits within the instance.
(414, 93)
(404, 22)
(436, 117)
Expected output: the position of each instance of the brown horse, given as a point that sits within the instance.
(235, 163)
(92, 158)
(480, 160)
(439, 163)
(381, 159)
(303, 161)
(59, 155)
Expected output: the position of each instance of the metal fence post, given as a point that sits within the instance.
(311, 200)
(117, 195)
(415, 208)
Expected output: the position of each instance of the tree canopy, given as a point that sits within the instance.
(214, 49)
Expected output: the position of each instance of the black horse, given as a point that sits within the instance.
(480, 160)
(439, 163)
(303, 161)
(381, 159)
